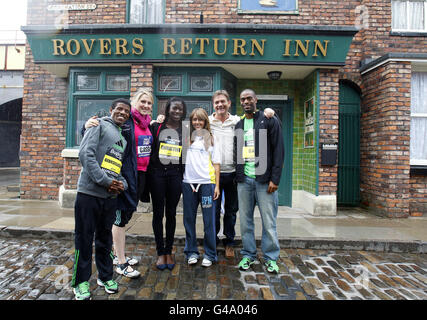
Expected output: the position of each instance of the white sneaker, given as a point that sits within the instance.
(206, 262)
(130, 261)
(127, 271)
(192, 260)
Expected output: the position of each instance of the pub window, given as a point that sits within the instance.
(418, 144)
(409, 15)
(91, 91)
(146, 11)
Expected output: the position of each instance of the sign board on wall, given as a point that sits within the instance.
(268, 6)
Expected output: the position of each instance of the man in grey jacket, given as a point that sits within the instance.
(100, 181)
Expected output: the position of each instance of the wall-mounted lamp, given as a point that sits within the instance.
(274, 75)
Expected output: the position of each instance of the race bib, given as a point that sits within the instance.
(112, 162)
(144, 146)
(170, 151)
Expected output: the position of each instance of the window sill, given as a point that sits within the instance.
(418, 169)
(409, 33)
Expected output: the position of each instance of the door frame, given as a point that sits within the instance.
(286, 104)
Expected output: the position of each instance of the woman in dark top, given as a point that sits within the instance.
(166, 172)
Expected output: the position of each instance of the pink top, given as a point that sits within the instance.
(143, 139)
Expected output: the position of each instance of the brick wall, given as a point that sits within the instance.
(418, 195)
(328, 126)
(385, 125)
(44, 109)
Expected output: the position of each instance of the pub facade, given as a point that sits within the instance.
(348, 80)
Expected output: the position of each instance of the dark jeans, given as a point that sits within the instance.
(93, 216)
(228, 184)
(166, 186)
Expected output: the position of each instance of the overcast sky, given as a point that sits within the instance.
(12, 17)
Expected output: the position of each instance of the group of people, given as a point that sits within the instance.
(127, 157)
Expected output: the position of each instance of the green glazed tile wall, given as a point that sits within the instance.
(304, 160)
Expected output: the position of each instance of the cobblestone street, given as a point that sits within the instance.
(33, 269)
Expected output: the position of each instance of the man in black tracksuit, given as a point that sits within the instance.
(259, 156)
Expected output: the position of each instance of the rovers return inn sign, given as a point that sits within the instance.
(186, 43)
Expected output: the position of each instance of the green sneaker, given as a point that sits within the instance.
(246, 263)
(81, 292)
(110, 286)
(272, 266)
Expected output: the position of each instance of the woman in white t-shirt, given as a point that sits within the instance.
(200, 185)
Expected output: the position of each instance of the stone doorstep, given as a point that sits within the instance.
(293, 243)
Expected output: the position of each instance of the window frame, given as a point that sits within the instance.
(74, 95)
(128, 7)
(408, 17)
(419, 163)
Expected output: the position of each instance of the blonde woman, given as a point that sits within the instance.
(200, 186)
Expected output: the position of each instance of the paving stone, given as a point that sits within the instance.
(394, 294)
(253, 293)
(365, 293)
(311, 266)
(319, 262)
(288, 263)
(378, 283)
(402, 282)
(328, 296)
(239, 295)
(396, 270)
(300, 296)
(407, 294)
(418, 269)
(330, 272)
(296, 260)
(226, 293)
(280, 290)
(343, 285)
(262, 279)
(415, 283)
(211, 291)
(405, 268)
(316, 283)
(145, 293)
(308, 289)
(337, 292)
(420, 278)
(385, 270)
(266, 293)
(290, 283)
(369, 257)
(304, 270)
(346, 276)
(324, 278)
(387, 280)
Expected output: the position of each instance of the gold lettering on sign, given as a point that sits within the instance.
(105, 48)
(137, 43)
(87, 46)
(301, 46)
(202, 44)
(185, 46)
(239, 45)
(287, 47)
(58, 47)
(323, 49)
(169, 46)
(76, 45)
(260, 48)
(121, 47)
(216, 46)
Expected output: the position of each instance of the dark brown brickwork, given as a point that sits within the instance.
(418, 192)
(385, 126)
(328, 126)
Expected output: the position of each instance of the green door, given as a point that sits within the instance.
(348, 193)
(284, 112)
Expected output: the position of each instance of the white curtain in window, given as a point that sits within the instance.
(154, 11)
(418, 148)
(416, 15)
(146, 11)
(398, 15)
(137, 11)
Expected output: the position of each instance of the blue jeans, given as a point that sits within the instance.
(191, 201)
(250, 193)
